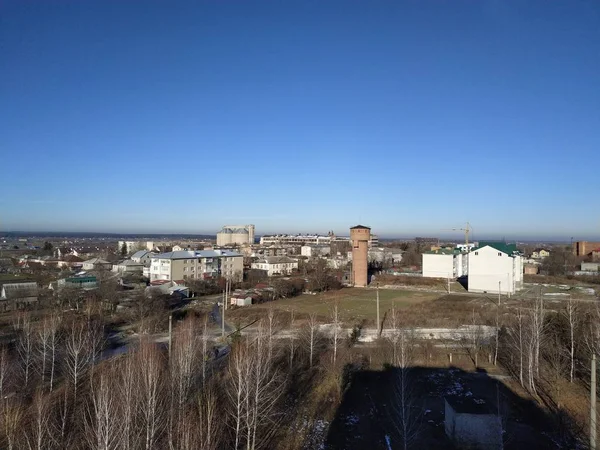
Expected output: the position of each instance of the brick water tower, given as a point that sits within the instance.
(359, 237)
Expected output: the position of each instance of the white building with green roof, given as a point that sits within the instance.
(495, 267)
(443, 264)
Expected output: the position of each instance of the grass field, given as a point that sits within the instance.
(356, 305)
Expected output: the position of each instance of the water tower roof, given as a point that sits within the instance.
(362, 227)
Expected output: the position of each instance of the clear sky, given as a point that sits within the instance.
(301, 116)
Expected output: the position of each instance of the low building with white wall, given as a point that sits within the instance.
(312, 251)
(443, 264)
(495, 267)
(276, 265)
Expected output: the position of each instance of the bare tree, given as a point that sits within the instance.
(46, 346)
(152, 408)
(78, 355)
(239, 374)
(335, 319)
(25, 344)
(292, 341)
(204, 339)
(208, 415)
(12, 418)
(103, 427)
(4, 370)
(38, 434)
(405, 420)
(516, 335)
(572, 315)
(183, 365)
(255, 389)
(311, 336)
(129, 395)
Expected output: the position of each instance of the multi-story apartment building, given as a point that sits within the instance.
(197, 265)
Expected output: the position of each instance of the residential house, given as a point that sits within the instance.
(540, 253)
(18, 295)
(312, 251)
(495, 267)
(81, 281)
(70, 261)
(276, 265)
(197, 264)
(444, 263)
(96, 264)
(143, 257)
(128, 266)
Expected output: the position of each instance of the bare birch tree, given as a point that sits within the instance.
(78, 356)
(5, 365)
(103, 426)
(311, 336)
(405, 420)
(38, 435)
(152, 407)
(25, 345)
(12, 414)
(209, 420)
(129, 395)
(572, 315)
(335, 334)
(183, 365)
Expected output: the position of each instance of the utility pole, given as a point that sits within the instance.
(223, 314)
(593, 404)
(448, 283)
(170, 333)
(499, 291)
(378, 324)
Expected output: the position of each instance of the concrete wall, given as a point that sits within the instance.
(473, 431)
(438, 266)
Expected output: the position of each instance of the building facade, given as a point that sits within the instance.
(494, 268)
(443, 264)
(276, 265)
(585, 248)
(198, 265)
(360, 236)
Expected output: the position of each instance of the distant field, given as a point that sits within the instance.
(356, 305)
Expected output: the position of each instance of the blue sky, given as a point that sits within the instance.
(301, 116)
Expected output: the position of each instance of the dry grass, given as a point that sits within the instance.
(356, 305)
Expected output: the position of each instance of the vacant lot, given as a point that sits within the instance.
(356, 305)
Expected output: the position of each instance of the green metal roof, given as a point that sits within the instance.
(509, 249)
(443, 251)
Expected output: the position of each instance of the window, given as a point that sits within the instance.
(499, 254)
(476, 253)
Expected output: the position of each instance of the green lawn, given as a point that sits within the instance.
(355, 304)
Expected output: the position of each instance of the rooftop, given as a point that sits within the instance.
(362, 227)
(191, 254)
(509, 249)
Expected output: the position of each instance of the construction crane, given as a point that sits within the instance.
(467, 229)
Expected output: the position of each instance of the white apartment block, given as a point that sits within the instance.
(444, 264)
(495, 267)
(276, 265)
(198, 265)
